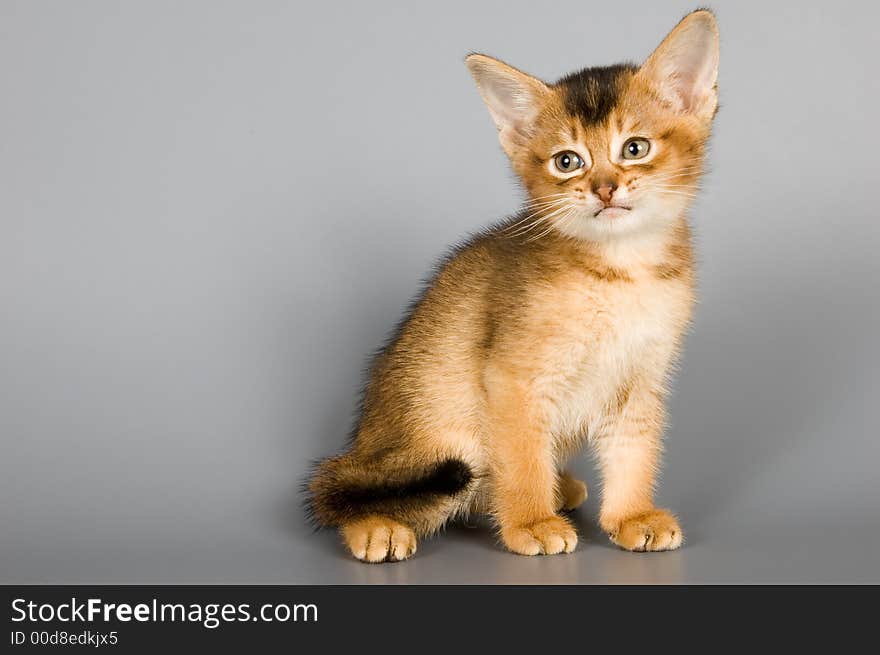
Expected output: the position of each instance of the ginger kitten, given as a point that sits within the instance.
(553, 330)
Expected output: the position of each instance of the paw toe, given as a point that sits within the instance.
(403, 543)
(379, 544)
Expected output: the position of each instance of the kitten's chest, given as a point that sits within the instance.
(631, 321)
(607, 336)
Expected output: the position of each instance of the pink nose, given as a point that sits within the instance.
(604, 192)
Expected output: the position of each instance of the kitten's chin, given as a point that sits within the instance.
(620, 223)
(610, 223)
(612, 213)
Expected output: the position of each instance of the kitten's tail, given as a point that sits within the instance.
(343, 489)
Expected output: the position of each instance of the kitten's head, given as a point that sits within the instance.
(611, 151)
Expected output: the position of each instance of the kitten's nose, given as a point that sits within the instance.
(604, 190)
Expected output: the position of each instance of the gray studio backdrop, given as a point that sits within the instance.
(212, 212)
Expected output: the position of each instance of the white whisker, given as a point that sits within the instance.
(541, 220)
(532, 214)
(553, 224)
(677, 193)
(536, 199)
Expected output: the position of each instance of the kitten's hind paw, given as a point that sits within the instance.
(379, 539)
(572, 492)
(548, 536)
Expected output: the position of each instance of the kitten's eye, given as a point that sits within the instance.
(568, 161)
(636, 148)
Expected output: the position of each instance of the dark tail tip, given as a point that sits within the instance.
(342, 491)
(448, 478)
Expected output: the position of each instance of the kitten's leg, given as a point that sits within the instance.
(629, 455)
(570, 492)
(379, 539)
(523, 473)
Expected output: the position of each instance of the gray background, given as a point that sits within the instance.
(212, 212)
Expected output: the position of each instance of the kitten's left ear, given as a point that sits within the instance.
(684, 68)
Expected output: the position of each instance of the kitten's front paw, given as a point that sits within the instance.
(548, 536)
(654, 530)
(379, 539)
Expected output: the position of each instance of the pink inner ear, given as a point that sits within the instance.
(686, 63)
(687, 87)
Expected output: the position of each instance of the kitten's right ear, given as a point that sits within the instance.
(514, 98)
(684, 68)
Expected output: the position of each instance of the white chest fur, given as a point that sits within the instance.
(609, 337)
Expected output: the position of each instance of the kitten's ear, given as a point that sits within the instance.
(514, 98)
(684, 68)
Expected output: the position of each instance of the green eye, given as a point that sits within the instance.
(636, 148)
(568, 162)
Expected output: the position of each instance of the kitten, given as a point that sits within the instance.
(552, 330)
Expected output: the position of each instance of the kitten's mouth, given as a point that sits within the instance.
(611, 211)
